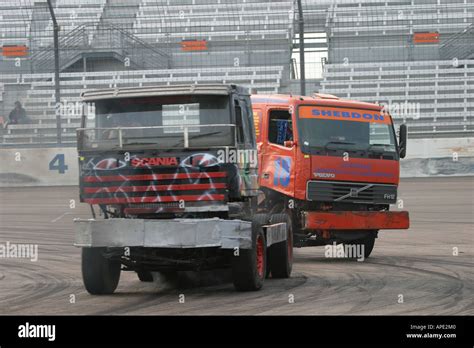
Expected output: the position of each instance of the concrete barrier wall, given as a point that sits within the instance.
(440, 148)
(438, 157)
(431, 167)
(59, 166)
(38, 167)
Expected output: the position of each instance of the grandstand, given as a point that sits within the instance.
(406, 52)
(398, 52)
(40, 98)
(14, 25)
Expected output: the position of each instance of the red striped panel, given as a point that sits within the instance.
(124, 200)
(154, 188)
(155, 177)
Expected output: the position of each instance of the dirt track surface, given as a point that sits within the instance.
(417, 264)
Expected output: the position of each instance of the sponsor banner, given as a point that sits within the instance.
(14, 51)
(193, 45)
(426, 38)
(344, 114)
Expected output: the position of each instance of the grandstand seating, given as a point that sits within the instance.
(383, 30)
(443, 94)
(14, 24)
(40, 100)
(240, 37)
(71, 14)
(211, 17)
(249, 31)
(372, 55)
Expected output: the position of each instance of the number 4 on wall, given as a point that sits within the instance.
(58, 163)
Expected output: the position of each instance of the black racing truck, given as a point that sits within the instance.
(170, 174)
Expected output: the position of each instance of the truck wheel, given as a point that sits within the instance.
(145, 276)
(100, 275)
(367, 243)
(264, 219)
(281, 259)
(249, 268)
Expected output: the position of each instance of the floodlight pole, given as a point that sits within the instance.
(57, 82)
(302, 60)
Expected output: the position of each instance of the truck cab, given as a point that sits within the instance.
(332, 164)
(170, 174)
(160, 152)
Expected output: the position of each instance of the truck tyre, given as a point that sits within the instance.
(249, 267)
(99, 274)
(281, 254)
(264, 219)
(367, 243)
(145, 276)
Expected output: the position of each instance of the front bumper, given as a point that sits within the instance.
(356, 220)
(172, 233)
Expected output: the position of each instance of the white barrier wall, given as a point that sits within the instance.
(59, 166)
(438, 157)
(440, 148)
(39, 167)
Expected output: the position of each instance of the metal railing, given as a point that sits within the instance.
(142, 54)
(460, 46)
(70, 44)
(113, 137)
(89, 38)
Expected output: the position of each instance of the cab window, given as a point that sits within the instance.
(280, 127)
(239, 124)
(243, 124)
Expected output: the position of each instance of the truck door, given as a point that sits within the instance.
(278, 153)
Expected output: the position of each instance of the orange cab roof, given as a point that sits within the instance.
(317, 99)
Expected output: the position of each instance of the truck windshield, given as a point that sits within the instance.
(345, 129)
(163, 122)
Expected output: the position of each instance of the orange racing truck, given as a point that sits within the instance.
(332, 165)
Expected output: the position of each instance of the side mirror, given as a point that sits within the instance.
(289, 143)
(403, 140)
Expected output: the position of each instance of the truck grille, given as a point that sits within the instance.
(349, 192)
(157, 185)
